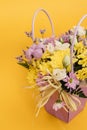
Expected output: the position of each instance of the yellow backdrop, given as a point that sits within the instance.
(17, 104)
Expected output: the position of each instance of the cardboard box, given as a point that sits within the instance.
(61, 113)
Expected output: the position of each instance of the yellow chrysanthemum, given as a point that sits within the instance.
(82, 74)
(83, 62)
(56, 60)
(58, 57)
(31, 76)
(79, 47)
(83, 59)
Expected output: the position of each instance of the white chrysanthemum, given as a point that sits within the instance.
(60, 46)
(50, 47)
(81, 30)
(59, 74)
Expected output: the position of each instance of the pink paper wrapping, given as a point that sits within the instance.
(61, 113)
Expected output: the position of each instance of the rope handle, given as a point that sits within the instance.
(73, 42)
(33, 21)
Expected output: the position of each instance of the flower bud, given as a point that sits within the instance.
(66, 61)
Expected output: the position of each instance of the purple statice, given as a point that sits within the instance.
(65, 38)
(29, 34)
(35, 51)
(42, 31)
(19, 58)
(50, 40)
(70, 32)
(71, 81)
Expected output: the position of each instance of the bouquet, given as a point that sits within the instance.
(57, 65)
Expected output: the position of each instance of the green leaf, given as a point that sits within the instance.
(58, 101)
(45, 59)
(86, 33)
(81, 94)
(77, 66)
(24, 64)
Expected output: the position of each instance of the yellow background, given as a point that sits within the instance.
(17, 103)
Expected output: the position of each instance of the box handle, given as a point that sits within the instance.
(33, 22)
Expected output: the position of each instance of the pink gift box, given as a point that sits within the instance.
(61, 113)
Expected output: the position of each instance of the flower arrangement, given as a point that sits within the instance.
(53, 67)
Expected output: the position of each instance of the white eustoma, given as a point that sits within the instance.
(59, 74)
(66, 61)
(81, 30)
(60, 46)
(50, 47)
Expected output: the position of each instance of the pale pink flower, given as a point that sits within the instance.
(71, 81)
(58, 105)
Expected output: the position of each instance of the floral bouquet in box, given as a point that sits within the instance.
(57, 66)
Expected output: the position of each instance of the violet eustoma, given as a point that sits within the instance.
(71, 81)
(35, 51)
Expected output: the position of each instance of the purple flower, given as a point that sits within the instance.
(40, 81)
(29, 34)
(35, 51)
(71, 81)
(38, 53)
(66, 38)
(50, 40)
(42, 31)
(28, 53)
(19, 58)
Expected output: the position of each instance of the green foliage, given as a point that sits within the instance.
(24, 64)
(45, 59)
(77, 66)
(78, 91)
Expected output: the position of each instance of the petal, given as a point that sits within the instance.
(37, 53)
